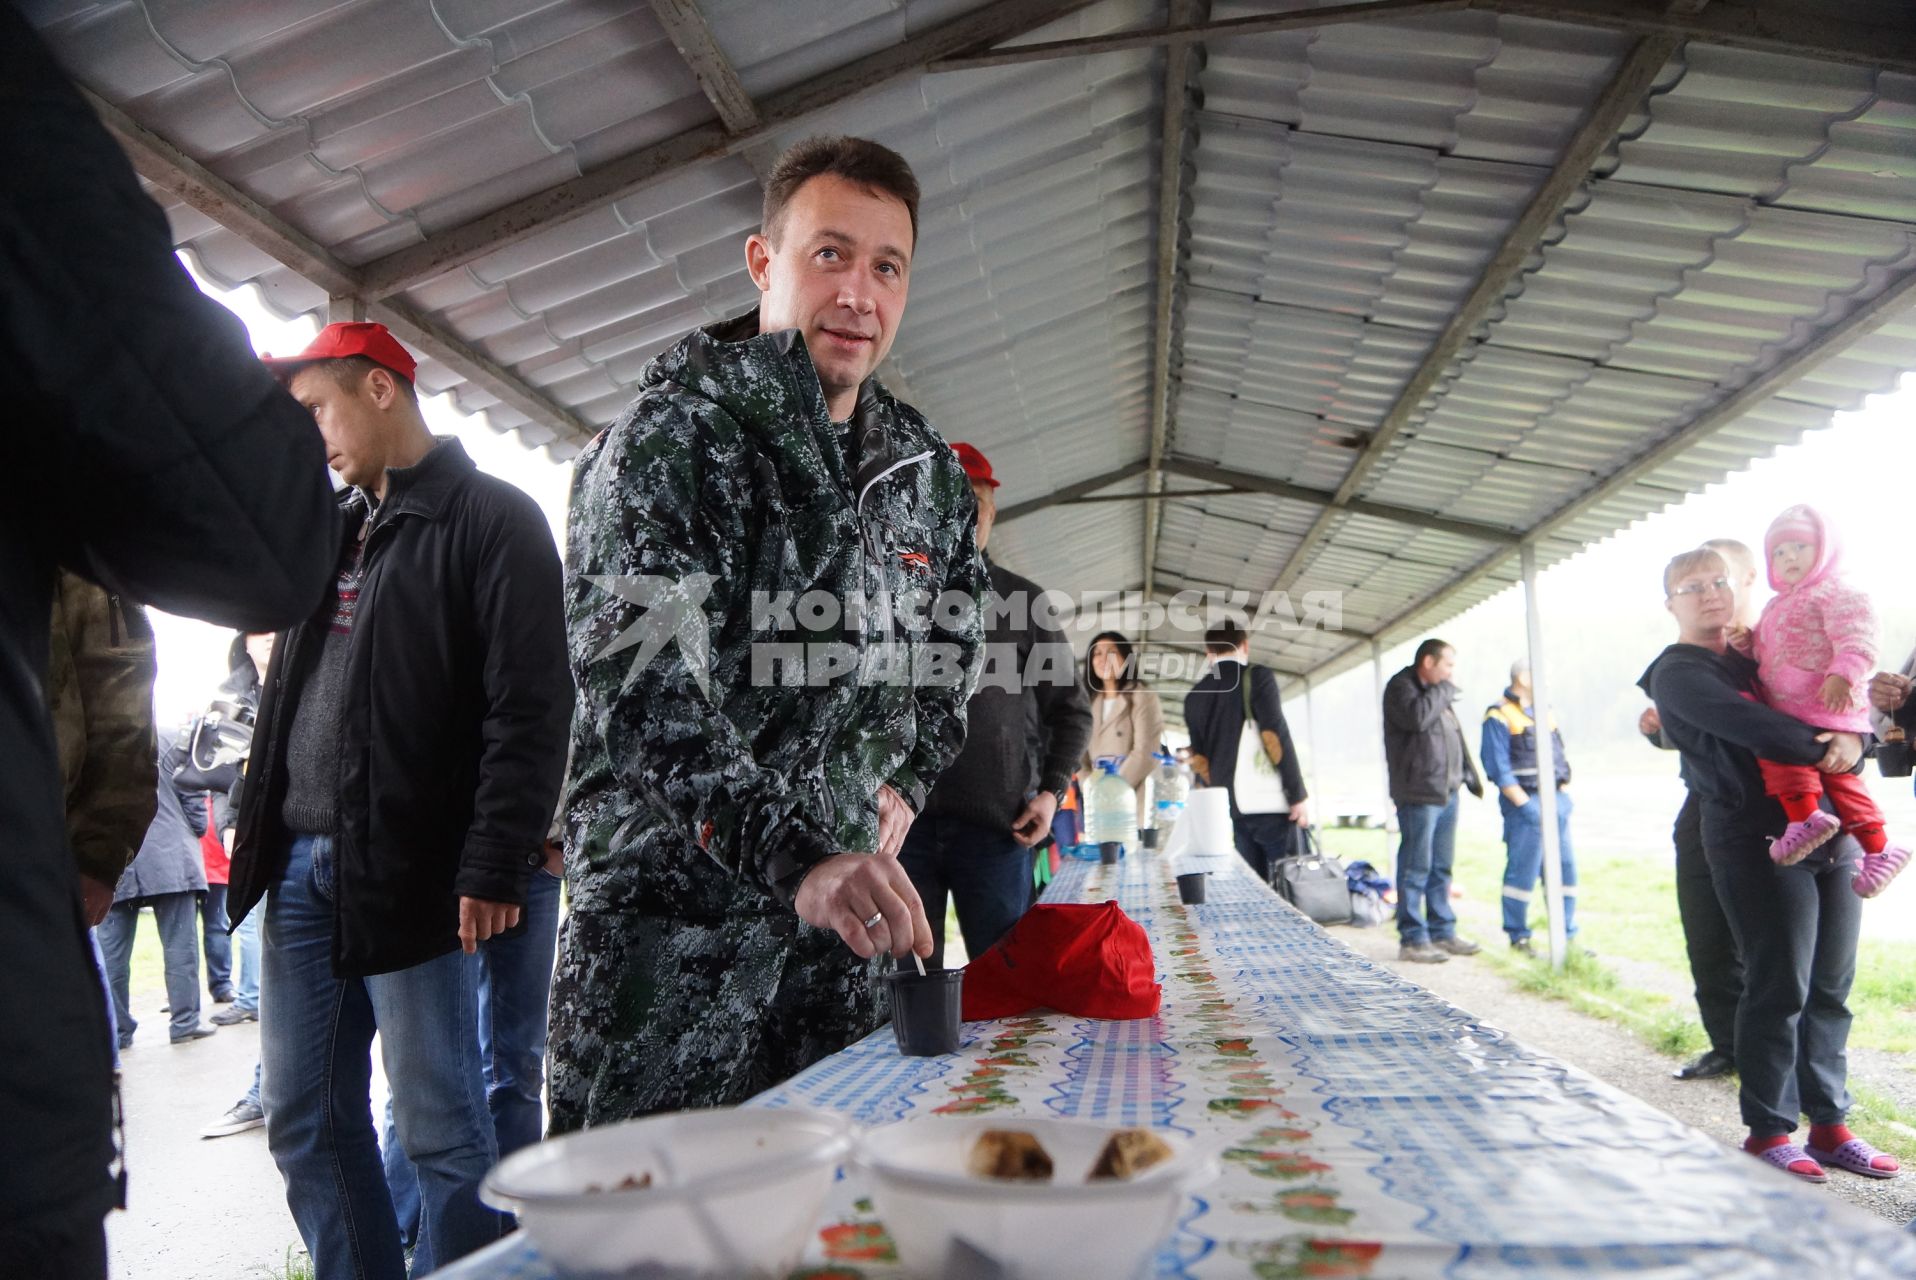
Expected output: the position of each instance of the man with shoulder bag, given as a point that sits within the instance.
(1241, 741)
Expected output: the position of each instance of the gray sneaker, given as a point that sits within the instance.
(242, 1116)
(1458, 946)
(233, 1016)
(1421, 953)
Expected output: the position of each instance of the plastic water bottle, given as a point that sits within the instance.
(1111, 807)
(1171, 788)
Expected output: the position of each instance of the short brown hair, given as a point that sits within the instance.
(1693, 561)
(349, 372)
(871, 165)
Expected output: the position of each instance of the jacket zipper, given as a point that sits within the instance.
(858, 508)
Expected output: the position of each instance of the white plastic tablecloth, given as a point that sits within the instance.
(1368, 1129)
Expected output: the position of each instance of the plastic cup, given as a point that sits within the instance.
(925, 1011)
(1191, 886)
(1108, 852)
(1148, 837)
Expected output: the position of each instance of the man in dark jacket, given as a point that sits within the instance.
(1428, 760)
(404, 768)
(996, 801)
(167, 875)
(150, 452)
(1214, 712)
(733, 829)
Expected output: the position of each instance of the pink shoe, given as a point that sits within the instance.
(1878, 870)
(1800, 839)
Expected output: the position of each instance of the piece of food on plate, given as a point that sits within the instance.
(630, 1182)
(1009, 1154)
(1128, 1153)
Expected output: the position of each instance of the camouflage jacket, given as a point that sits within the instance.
(100, 689)
(731, 551)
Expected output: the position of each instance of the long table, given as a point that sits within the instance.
(1369, 1129)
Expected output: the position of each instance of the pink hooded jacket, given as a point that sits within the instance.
(1817, 628)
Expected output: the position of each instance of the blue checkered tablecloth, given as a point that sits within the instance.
(1369, 1129)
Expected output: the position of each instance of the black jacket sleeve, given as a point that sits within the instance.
(1410, 706)
(1064, 716)
(1703, 694)
(155, 453)
(1267, 707)
(520, 611)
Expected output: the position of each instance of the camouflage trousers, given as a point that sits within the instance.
(654, 1014)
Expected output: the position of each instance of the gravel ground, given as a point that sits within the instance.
(1612, 1054)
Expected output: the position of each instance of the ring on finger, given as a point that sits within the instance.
(876, 918)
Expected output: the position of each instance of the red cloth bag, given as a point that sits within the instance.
(1089, 961)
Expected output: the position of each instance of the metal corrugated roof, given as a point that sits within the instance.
(1346, 191)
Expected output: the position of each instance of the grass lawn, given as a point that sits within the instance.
(1627, 913)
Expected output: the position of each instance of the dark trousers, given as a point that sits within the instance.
(67, 1251)
(217, 938)
(1715, 966)
(1261, 839)
(1796, 928)
(176, 914)
(985, 873)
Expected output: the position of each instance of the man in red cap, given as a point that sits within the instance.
(406, 762)
(995, 803)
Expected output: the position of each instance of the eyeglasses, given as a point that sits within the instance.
(1698, 588)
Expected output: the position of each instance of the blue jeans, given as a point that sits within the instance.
(177, 916)
(106, 994)
(515, 988)
(246, 973)
(1523, 862)
(1424, 859)
(316, 1038)
(217, 938)
(986, 873)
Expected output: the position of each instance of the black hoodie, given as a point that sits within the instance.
(1709, 716)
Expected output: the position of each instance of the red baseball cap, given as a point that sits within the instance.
(338, 341)
(975, 465)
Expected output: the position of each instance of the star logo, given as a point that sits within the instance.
(672, 611)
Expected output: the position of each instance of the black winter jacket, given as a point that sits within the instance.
(1214, 713)
(453, 735)
(148, 450)
(1720, 732)
(1417, 718)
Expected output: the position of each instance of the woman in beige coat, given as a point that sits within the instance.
(1127, 720)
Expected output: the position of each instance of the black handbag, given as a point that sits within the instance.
(1312, 881)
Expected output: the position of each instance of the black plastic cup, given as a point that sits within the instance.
(1108, 852)
(925, 1011)
(1148, 837)
(1191, 886)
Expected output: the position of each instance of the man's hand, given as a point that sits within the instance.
(1301, 813)
(1201, 767)
(1649, 723)
(895, 817)
(1034, 823)
(1835, 693)
(1739, 637)
(479, 920)
(1845, 749)
(847, 889)
(96, 899)
(1888, 691)
(1516, 795)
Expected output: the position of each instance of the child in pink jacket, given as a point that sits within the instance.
(1815, 646)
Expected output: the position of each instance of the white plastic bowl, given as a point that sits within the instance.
(734, 1193)
(1063, 1227)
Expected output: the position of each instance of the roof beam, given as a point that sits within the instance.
(1748, 26)
(1625, 91)
(1069, 493)
(1194, 470)
(167, 167)
(595, 189)
(1898, 299)
(1172, 139)
(692, 37)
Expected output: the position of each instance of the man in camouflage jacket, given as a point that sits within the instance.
(771, 599)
